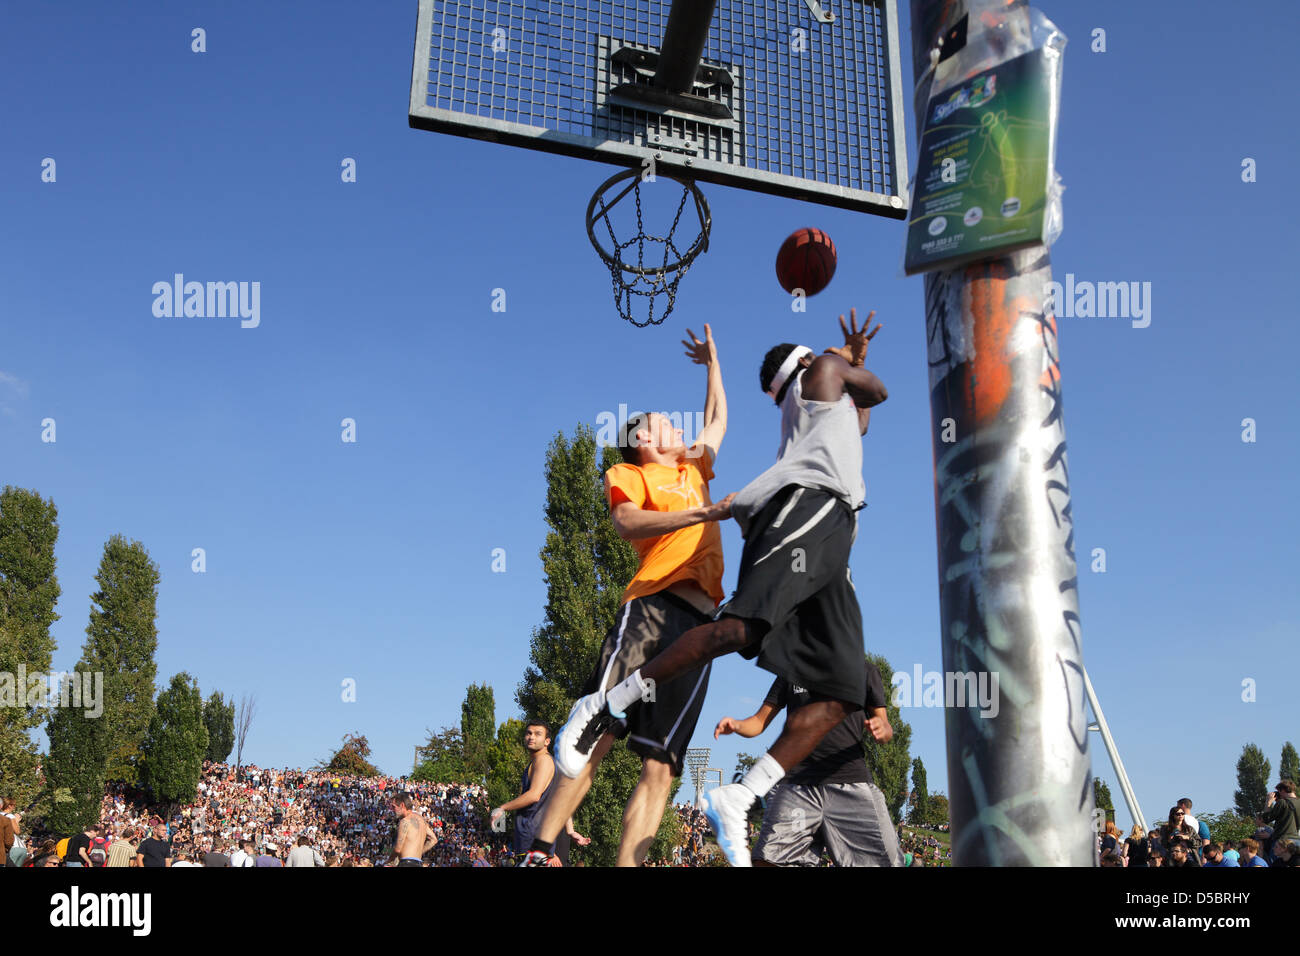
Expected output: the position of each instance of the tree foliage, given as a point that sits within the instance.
(1289, 765)
(219, 719)
(75, 766)
(586, 566)
(1101, 797)
(478, 721)
(937, 809)
(743, 762)
(920, 795)
(29, 590)
(177, 742)
(890, 762)
(442, 758)
(506, 762)
(122, 637)
(1228, 826)
(351, 758)
(1252, 781)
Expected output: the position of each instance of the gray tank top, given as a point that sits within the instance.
(821, 448)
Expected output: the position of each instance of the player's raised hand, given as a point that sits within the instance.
(856, 340)
(701, 353)
(727, 725)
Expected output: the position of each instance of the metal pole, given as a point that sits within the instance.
(1020, 783)
(1126, 788)
(683, 44)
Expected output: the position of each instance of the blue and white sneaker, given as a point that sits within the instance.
(727, 809)
(587, 723)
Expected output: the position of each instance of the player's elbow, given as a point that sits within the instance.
(621, 528)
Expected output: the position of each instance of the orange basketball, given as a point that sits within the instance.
(806, 261)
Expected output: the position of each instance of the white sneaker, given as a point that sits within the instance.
(587, 723)
(727, 808)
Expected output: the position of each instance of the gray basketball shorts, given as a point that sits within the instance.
(850, 820)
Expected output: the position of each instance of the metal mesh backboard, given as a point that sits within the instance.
(808, 109)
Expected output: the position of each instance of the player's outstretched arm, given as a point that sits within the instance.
(750, 726)
(715, 397)
(631, 522)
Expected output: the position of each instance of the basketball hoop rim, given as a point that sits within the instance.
(700, 245)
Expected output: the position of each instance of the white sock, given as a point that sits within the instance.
(624, 694)
(763, 776)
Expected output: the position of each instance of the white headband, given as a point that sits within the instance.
(786, 368)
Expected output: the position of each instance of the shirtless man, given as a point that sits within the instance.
(414, 838)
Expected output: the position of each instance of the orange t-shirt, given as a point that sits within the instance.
(688, 554)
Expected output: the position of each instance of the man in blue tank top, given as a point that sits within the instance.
(794, 608)
(536, 788)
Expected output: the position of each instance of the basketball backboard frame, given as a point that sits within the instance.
(580, 113)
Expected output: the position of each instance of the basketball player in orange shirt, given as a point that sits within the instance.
(659, 501)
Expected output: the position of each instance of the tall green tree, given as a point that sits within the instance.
(938, 809)
(122, 637)
(1289, 767)
(352, 758)
(219, 719)
(920, 810)
(1253, 769)
(889, 762)
(1101, 797)
(176, 744)
(442, 758)
(29, 590)
(478, 721)
(75, 765)
(586, 566)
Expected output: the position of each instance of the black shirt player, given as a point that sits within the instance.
(829, 799)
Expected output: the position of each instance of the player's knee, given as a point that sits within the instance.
(656, 773)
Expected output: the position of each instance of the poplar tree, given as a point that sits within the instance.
(1252, 781)
(121, 639)
(219, 719)
(29, 590)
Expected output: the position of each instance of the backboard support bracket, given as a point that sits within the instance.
(649, 96)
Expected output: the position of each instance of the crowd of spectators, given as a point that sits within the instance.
(695, 848)
(1183, 840)
(922, 849)
(264, 817)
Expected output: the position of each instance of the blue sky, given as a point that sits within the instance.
(372, 560)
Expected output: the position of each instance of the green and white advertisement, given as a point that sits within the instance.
(984, 167)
